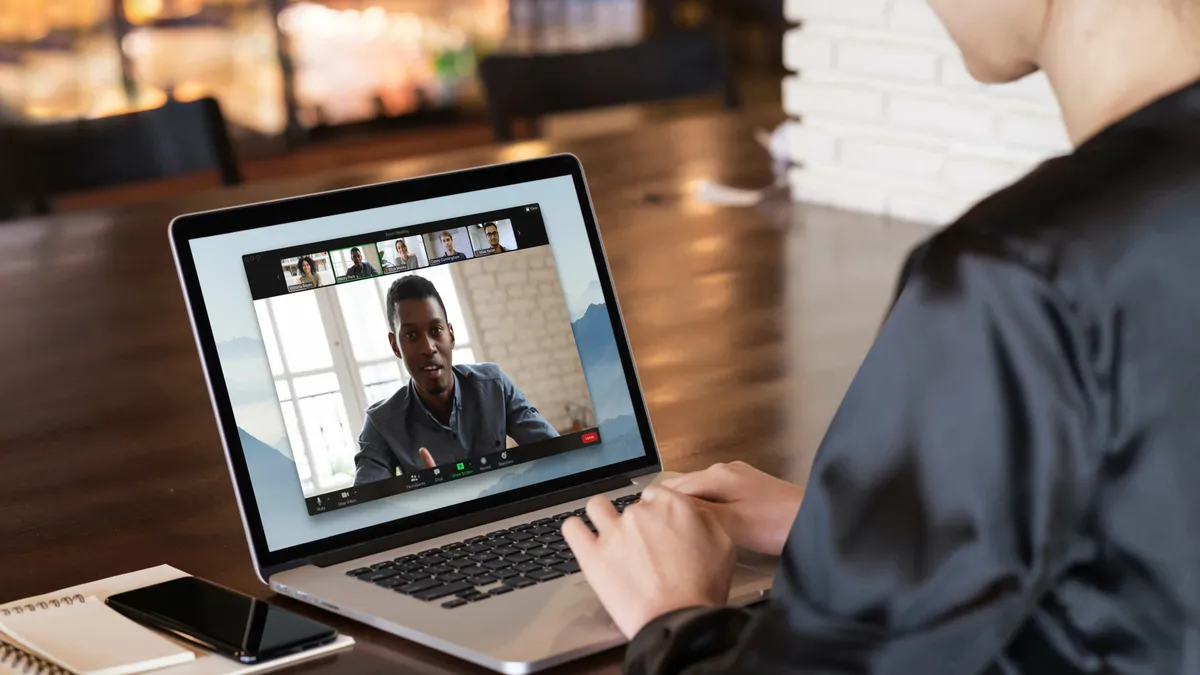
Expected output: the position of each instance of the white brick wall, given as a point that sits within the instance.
(887, 119)
(519, 319)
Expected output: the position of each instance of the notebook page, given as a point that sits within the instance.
(205, 663)
(92, 639)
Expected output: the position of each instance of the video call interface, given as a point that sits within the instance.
(421, 355)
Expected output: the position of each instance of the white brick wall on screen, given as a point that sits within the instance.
(519, 320)
(887, 120)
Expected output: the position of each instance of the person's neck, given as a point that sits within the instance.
(439, 404)
(1105, 65)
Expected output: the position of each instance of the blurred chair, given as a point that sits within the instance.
(671, 65)
(42, 162)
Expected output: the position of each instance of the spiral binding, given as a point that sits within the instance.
(21, 661)
(44, 604)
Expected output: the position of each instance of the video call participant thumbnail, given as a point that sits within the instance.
(446, 413)
(403, 255)
(450, 245)
(493, 237)
(361, 268)
(304, 272)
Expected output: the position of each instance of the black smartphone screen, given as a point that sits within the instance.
(235, 624)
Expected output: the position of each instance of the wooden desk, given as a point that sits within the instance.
(747, 325)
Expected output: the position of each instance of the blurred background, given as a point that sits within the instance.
(384, 78)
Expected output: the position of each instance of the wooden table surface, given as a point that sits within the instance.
(747, 325)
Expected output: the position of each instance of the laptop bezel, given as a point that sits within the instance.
(186, 228)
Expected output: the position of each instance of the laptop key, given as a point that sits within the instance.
(500, 590)
(475, 548)
(477, 597)
(543, 575)
(568, 567)
(484, 580)
(407, 558)
(580, 512)
(527, 567)
(518, 558)
(549, 539)
(439, 570)
(503, 551)
(457, 602)
(505, 573)
(560, 546)
(429, 552)
(383, 565)
(456, 553)
(497, 533)
(453, 576)
(540, 552)
(378, 574)
(460, 562)
(453, 546)
(520, 536)
(519, 528)
(443, 591)
(541, 521)
(472, 571)
(543, 530)
(484, 557)
(567, 554)
(496, 564)
(359, 571)
(475, 540)
(525, 545)
(520, 582)
(418, 586)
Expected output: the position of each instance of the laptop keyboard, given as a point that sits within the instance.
(482, 567)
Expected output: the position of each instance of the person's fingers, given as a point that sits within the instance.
(713, 483)
(426, 458)
(578, 537)
(602, 513)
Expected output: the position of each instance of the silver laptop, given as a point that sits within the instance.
(416, 382)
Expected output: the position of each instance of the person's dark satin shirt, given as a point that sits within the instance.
(1012, 483)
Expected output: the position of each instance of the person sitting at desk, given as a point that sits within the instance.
(446, 413)
(1007, 487)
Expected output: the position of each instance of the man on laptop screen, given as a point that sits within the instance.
(446, 413)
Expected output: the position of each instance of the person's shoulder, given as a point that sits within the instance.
(1080, 214)
(397, 401)
(480, 372)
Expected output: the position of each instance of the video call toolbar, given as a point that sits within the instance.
(405, 249)
(438, 475)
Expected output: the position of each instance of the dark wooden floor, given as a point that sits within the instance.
(747, 325)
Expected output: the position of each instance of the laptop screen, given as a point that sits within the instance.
(388, 362)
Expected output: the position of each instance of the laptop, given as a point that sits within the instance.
(416, 382)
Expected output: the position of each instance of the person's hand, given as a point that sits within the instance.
(660, 555)
(755, 509)
(426, 458)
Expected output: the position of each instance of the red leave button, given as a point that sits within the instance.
(591, 437)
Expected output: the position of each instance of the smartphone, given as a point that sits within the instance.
(221, 620)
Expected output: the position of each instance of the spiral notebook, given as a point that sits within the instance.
(81, 610)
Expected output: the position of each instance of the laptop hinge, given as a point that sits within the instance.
(467, 522)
